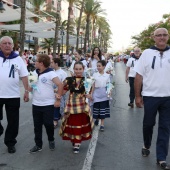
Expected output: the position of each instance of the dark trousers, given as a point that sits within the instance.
(132, 91)
(57, 114)
(12, 106)
(152, 105)
(43, 115)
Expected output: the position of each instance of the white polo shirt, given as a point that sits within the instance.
(61, 74)
(9, 83)
(45, 95)
(101, 79)
(131, 63)
(155, 73)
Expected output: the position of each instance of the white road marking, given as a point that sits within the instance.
(91, 150)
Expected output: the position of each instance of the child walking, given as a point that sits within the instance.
(77, 123)
(43, 102)
(58, 111)
(101, 108)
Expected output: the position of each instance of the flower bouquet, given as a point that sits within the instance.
(109, 87)
(33, 78)
(88, 82)
(110, 70)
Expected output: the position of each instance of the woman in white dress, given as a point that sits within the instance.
(95, 57)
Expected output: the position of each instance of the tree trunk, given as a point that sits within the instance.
(86, 38)
(22, 26)
(79, 24)
(92, 33)
(58, 18)
(68, 28)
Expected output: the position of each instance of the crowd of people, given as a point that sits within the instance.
(58, 96)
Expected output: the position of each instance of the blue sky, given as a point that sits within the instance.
(130, 17)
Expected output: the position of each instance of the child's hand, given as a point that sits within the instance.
(89, 96)
(66, 116)
(57, 103)
(58, 96)
(108, 72)
(56, 90)
(96, 57)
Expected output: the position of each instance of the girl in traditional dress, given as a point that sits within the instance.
(101, 109)
(77, 123)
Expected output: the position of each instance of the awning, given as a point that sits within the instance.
(48, 34)
(11, 14)
(35, 27)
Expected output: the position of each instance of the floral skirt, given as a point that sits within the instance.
(77, 127)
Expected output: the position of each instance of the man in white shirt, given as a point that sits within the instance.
(130, 74)
(153, 70)
(12, 68)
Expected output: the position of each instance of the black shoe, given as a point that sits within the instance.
(1, 129)
(76, 149)
(145, 152)
(96, 122)
(102, 128)
(131, 105)
(35, 149)
(163, 165)
(51, 145)
(11, 149)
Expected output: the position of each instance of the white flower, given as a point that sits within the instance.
(32, 78)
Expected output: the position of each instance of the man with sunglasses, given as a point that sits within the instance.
(153, 69)
(12, 68)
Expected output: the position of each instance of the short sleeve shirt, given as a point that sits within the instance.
(155, 72)
(45, 94)
(131, 63)
(10, 72)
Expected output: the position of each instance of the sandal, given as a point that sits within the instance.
(163, 165)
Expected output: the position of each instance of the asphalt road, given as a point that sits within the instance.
(118, 147)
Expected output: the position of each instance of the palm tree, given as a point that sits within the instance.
(22, 26)
(101, 25)
(58, 20)
(94, 17)
(47, 44)
(80, 6)
(70, 12)
(90, 7)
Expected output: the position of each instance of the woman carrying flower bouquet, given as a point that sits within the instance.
(44, 100)
(77, 123)
(101, 108)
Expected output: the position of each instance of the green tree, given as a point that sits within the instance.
(90, 7)
(47, 44)
(70, 13)
(80, 6)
